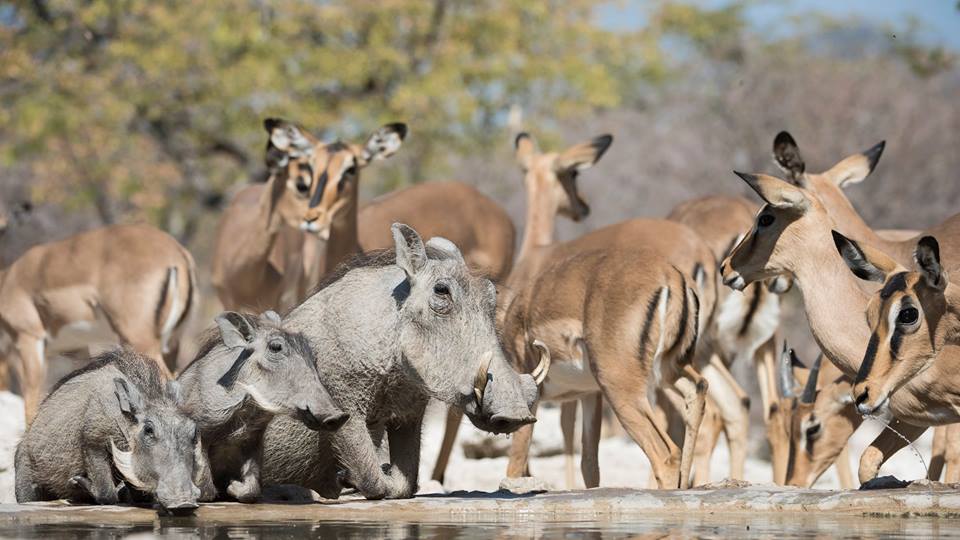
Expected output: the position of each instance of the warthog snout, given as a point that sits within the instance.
(505, 423)
(325, 422)
(178, 499)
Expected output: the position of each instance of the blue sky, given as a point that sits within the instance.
(939, 19)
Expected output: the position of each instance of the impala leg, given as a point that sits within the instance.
(778, 435)
(518, 463)
(568, 419)
(937, 453)
(952, 453)
(844, 472)
(454, 417)
(733, 405)
(764, 363)
(707, 439)
(30, 368)
(639, 420)
(693, 387)
(590, 439)
(884, 446)
(4, 374)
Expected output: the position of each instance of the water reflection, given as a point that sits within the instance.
(732, 526)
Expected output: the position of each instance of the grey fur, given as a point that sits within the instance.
(383, 355)
(121, 399)
(247, 372)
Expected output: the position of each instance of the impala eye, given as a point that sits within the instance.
(302, 185)
(765, 220)
(908, 316)
(351, 171)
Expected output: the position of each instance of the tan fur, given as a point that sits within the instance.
(799, 242)
(720, 220)
(551, 308)
(550, 181)
(118, 271)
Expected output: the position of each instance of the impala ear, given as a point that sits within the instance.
(864, 261)
(525, 147)
(411, 253)
(927, 257)
(286, 140)
(776, 192)
(787, 155)
(584, 155)
(853, 169)
(384, 142)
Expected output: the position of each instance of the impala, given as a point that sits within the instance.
(136, 277)
(550, 181)
(793, 234)
(743, 328)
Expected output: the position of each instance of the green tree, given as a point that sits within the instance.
(148, 108)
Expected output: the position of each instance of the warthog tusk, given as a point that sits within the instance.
(480, 381)
(124, 463)
(540, 372)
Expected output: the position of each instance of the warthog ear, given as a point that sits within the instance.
(787, 155)
(384, 142)
(446, 247)
(234, 329)
(411, 254)
(173, 392)
(865, 262)
(928, 261)
(128, 397)
(272, 316)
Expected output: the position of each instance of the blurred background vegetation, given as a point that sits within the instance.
(120, 110)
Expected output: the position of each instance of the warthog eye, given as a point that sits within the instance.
(148, 430)
(908, 316)
(765, 220)
(275, 346)
(441, 289)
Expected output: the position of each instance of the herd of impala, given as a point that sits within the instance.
(634, 315)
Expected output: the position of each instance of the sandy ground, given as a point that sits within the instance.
(622, 463)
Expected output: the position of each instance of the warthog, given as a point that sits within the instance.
(390, 331)
(243, 376)
(117, 417)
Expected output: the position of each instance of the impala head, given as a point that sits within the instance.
(790, 218)
(552, 177)
(311, 181)
(820, 416)
(911, 318)
(827, 185)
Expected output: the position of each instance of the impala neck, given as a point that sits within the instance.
(268, 220)
(849, 222)
(834, 303)
(343, 242)
(540, 223)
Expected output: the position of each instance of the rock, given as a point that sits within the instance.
(430, 487)
(884, 482)
(525, 485)
(726, 483)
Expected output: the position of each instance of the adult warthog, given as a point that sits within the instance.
(390, 330)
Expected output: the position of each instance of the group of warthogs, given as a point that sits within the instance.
(333, 394)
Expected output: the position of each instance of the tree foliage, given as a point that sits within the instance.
(153, 107)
